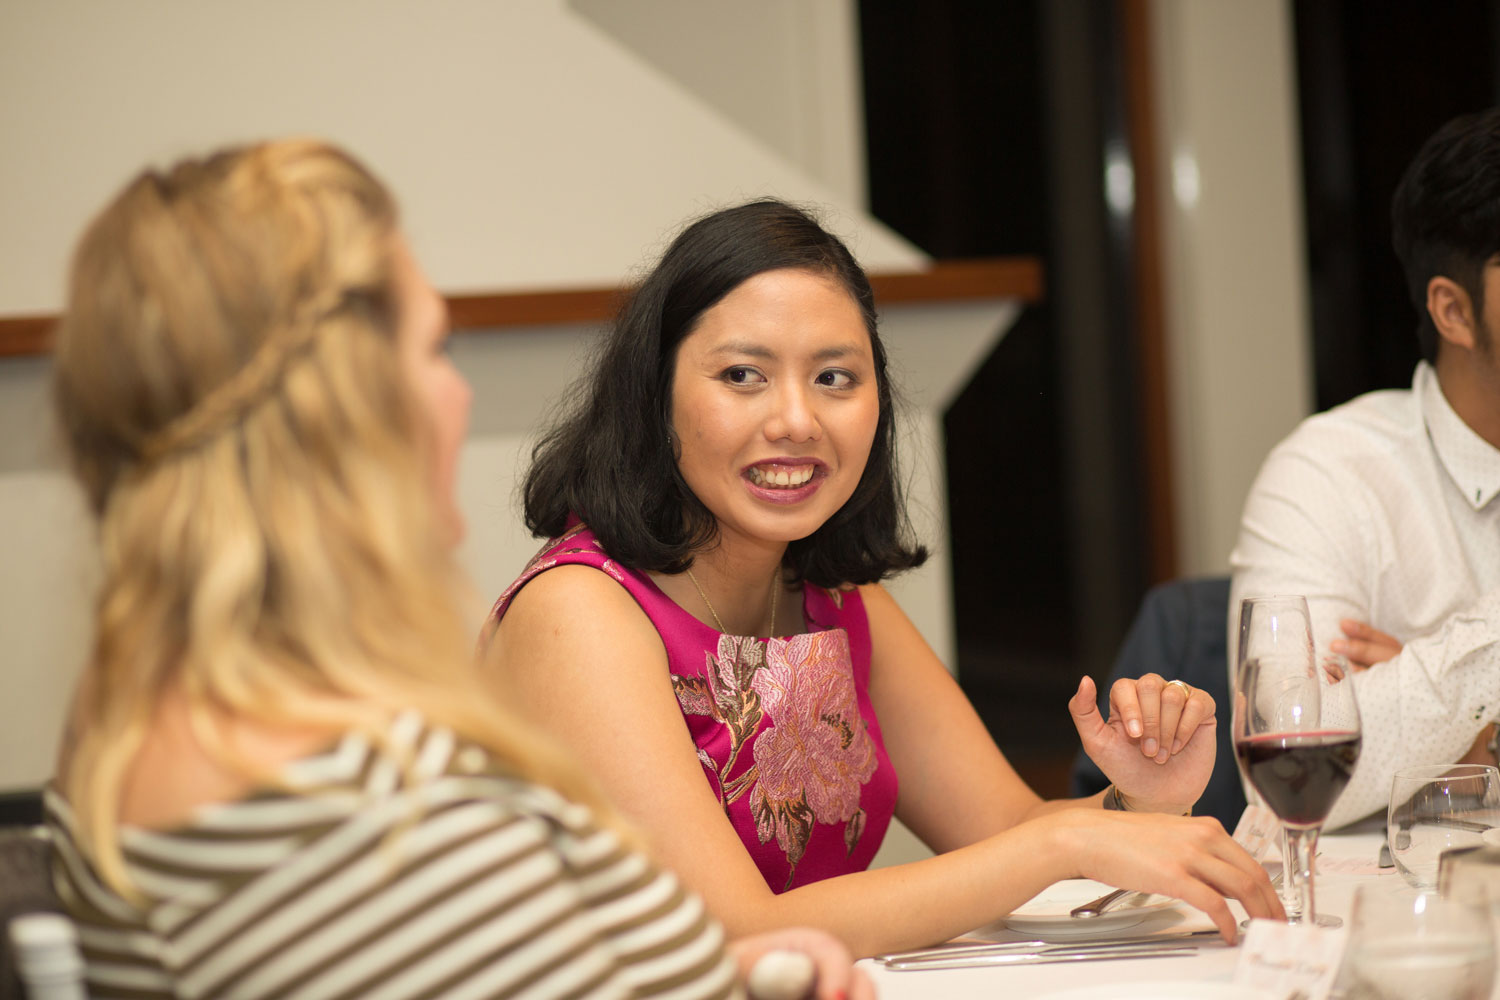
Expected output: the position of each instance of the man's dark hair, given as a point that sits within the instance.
(1445, 216)
(612, 462)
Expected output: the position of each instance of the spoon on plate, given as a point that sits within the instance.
(1096, 907)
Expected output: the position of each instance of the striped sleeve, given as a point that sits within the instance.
(428, 882)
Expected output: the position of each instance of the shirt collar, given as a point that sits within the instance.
(1472, 462)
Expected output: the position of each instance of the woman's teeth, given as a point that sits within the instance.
(781, 477)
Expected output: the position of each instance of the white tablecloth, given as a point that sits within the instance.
(1213, 962)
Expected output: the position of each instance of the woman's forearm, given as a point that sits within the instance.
(929, 901)
(914, 904)
(1047, 806)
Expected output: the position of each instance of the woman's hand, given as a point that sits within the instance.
(837, 978)
(1157, 745)
(1188, 858)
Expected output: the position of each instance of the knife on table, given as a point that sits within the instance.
(979, 949)
(1105, 951)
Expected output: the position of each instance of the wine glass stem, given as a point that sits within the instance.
(1298, 848)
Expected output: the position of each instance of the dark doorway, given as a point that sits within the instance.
(987, 127)
(1375, 80)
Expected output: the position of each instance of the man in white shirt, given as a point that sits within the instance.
(1382, 510)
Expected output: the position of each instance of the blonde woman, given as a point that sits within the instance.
(282, 778)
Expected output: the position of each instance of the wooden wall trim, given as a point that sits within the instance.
(956, 280)
(21, 336)
(516, 309)
(1151, 318)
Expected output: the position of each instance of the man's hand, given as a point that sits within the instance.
(1364, 645)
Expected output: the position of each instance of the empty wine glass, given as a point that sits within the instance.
(1438, 807)
(1406, 945)
(1296, 734)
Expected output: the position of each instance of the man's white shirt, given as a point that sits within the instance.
(1381, 510)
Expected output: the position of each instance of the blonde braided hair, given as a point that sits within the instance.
(231, 392)
(246, 388)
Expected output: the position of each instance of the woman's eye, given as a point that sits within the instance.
(836, 378)
(742, 376)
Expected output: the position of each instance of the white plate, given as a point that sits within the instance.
(1166, 990)
(1047, 913)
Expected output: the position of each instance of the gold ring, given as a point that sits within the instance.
(1187, 692)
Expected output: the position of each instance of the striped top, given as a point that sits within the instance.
(414, 867)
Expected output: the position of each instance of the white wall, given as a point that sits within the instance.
(529, 149)
(810, 110)
(1236, 290)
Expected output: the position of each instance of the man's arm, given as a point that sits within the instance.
(1364, 646)
(1306, 531)
(1425, 706)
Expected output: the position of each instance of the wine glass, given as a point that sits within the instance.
(1405, 944)
(1438, 807)
(1296, 734)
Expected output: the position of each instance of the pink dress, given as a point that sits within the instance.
(784, 728)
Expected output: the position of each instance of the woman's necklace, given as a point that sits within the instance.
(775, 588)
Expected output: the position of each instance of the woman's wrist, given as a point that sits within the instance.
(1114, 800)
(1062, 842)
(1117, 801)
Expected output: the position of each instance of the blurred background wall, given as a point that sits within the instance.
(1162, 157)
(530, 147)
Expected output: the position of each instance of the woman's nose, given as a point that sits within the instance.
(794, 417)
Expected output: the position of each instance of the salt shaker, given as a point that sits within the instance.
(47, 957)
(782, 975)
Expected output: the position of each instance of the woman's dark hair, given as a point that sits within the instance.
(1445, 216)
(611, 459)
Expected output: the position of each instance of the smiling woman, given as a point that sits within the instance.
(706, 627)
(775, 405)
(609, 460)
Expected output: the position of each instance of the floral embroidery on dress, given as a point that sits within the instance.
(819, 753)
(724, 694)
(810, 764)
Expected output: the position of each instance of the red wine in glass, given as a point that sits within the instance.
(1299, 775)
(1296, 734)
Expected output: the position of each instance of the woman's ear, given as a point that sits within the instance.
(1452, 312)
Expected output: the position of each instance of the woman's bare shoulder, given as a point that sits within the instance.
(572, 593)
(573, 609)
